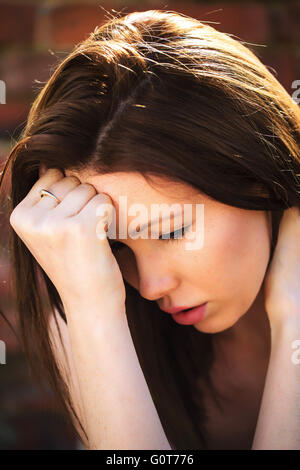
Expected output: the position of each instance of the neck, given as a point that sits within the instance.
(248, 340)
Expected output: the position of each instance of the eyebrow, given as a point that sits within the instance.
(144, 226)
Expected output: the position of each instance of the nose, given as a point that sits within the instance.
(148, 273)
(155, 281)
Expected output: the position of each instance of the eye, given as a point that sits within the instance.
(170, 236)
(117, 246)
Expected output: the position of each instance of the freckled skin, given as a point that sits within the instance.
(227, 272)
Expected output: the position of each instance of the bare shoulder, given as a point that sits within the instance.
(60, 341)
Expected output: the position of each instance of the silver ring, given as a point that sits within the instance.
(45, 192)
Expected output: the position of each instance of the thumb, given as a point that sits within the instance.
(106, 214)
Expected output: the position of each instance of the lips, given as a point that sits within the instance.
(191, 316)
(174, 310)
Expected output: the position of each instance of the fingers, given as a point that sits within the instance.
(60, 189)
(99, 210)
(96, 211)
(74, 199)
(50, 177)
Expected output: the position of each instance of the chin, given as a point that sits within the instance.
(210, 329)
(212, 325)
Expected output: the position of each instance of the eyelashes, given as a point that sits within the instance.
(170, 237)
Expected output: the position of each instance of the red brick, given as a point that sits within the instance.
(12, 114)
(19, 72)
(17, 23)
(284, 64)
(71, 24)
(248, 21)
(284, 21)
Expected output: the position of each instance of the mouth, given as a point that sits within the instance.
(191, 316)
(175, 310)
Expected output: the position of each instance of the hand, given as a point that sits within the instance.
(282, 282)
(63, 238)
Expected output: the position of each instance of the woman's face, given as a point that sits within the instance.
(227, 272)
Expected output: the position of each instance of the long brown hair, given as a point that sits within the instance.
(162, 94)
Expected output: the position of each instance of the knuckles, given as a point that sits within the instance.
(87, 186)
(27, 222)
(73, 227)
(18, 218)
(72, 178)
(12, 218)
(62, 230)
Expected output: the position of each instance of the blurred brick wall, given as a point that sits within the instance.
(33, 36)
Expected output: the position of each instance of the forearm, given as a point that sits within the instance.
(278, 426)
(118, 407)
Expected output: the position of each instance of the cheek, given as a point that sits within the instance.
(238, 250)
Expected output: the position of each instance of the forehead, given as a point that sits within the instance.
(136, 188)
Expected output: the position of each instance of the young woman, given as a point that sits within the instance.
(160, 108)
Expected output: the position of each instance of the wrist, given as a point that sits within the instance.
(286, 326)
(283, 312)
(85, 311)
